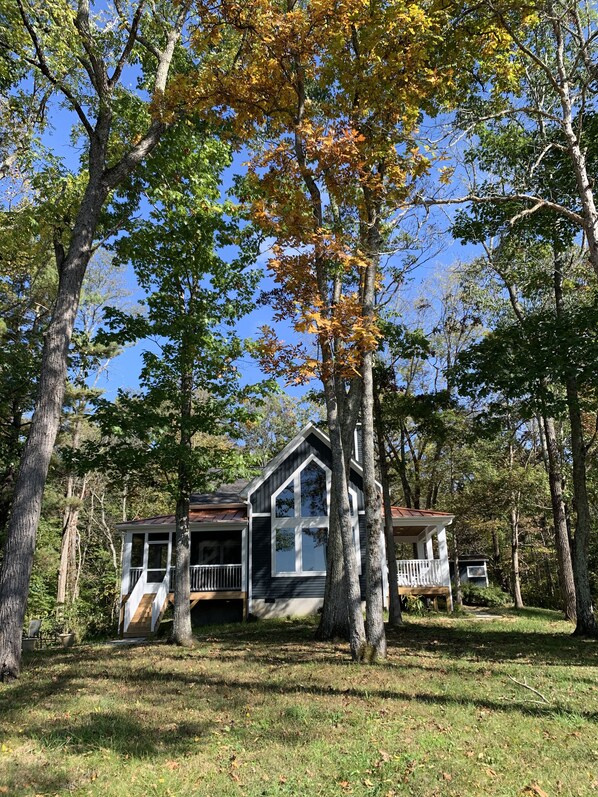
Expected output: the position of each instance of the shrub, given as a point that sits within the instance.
(484, 596)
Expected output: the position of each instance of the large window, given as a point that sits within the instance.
(300, 521)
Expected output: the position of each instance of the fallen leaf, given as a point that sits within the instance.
(533, 788)
(446, 776)
(172, 765)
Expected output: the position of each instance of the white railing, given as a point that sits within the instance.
(134, 600)
(213, 578)
(134, 573)
(159, 601)
(421, 573)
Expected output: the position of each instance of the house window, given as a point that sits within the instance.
(300, 521)
(476, 571)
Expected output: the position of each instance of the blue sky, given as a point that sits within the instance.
(124, 370)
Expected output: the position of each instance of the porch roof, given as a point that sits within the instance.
(200, 515)
(408, 522)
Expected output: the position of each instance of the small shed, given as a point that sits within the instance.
(473, 569)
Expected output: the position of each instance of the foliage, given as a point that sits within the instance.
(491, 596)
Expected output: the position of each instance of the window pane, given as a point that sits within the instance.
(313, 491)
(313, 549)
(157, 556)
(209, 553)
(285, 503)
(137, 546)
(161, 536)
(285, 550)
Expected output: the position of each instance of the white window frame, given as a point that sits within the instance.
(476, 567)
(299, 523)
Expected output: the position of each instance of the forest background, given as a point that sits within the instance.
(487, 311)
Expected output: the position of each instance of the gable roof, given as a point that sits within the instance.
(276, 461)
(226, 494)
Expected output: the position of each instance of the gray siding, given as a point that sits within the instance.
(264, 586)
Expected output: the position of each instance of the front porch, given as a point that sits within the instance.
(428, 575)
(217, 572)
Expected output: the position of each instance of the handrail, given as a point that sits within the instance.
(159, 601)
(134, 600)
(421, 573)
(213, 578)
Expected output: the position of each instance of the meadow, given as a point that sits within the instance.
(499, 704)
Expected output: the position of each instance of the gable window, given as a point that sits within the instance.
(300, 521)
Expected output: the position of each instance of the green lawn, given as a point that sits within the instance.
(262, 709)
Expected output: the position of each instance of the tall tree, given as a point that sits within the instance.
(80, 57)
(191, 404)
(332, 102)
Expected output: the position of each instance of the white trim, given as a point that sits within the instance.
(260, 514)
(296, 522)
(249, 558)
(431, 520)
(274, 463)
(169, 528)
(476, 567)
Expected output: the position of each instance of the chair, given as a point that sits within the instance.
(33, 637)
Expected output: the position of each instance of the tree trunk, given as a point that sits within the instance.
(586, 621)
(340, 487)
(374, 615)
(181, 626)
(334, 620)
(561, 536)
(395, 618)
(516, 586)
(456, 574)
(15, 572)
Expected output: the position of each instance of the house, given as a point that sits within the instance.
(259, 547)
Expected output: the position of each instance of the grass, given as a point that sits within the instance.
(262, 709)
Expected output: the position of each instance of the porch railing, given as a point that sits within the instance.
(421, 573)
(212, 578)
(134, 574)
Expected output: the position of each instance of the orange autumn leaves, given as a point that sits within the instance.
(327, 96)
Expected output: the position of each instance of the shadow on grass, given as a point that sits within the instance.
(35, 778)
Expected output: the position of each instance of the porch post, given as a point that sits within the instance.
(169, 558)
(244, 560)
(421, 549)
(126, 563)
(444, 558)
(429, 545)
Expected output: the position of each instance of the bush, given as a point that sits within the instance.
(484, 596)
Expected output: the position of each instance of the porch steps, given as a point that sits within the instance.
(141, 624)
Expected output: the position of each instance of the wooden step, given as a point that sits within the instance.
(141, 624)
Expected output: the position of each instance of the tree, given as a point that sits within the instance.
(80, 58)
(330, 95)
(183, 421)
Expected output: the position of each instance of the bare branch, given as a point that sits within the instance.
(42, 65)
(130, 43)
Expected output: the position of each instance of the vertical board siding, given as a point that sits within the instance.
(280, 587)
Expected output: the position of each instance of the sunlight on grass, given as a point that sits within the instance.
(262, 709)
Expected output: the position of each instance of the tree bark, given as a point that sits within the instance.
(15, 572)
(456, 574)
(334, 620)
(561, 535)
(340, 487)
(516, 586)
(182, 633)
(374, 615)
(395, 618)
(586, 621)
